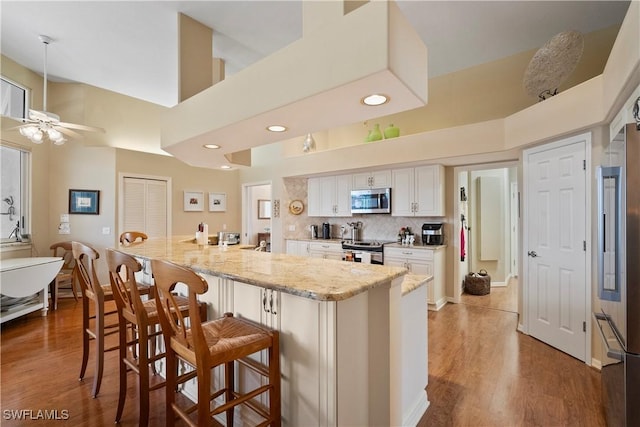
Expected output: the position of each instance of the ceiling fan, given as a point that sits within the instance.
(40, 125)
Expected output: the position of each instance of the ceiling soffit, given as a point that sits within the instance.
(313, 84)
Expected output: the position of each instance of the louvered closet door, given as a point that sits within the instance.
(145, 206)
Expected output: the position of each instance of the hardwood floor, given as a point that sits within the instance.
(482, 372)
(500, 298)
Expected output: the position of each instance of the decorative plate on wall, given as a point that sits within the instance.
(296, 207)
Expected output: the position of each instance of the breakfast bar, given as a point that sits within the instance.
(348, 352)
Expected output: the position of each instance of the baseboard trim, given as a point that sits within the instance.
(499, 284)
(595, 363)
(438, 305)
(417, 411)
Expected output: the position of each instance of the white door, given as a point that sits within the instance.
(555, 247)
(145, 206)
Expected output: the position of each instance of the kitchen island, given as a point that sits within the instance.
(347, 348)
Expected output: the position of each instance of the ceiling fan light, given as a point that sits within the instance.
(37, 137)
(59, 141)
(28, 131)
(54, 135)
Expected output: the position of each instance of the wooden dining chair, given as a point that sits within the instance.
(129, 237)
(140, 316)
(95, 294)
(220, 342)
(64, 278)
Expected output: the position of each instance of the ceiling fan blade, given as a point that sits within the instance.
(80, 127)
(13, 128)
(19, 119)
(68, 132)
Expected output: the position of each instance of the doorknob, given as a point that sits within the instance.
(532, 254)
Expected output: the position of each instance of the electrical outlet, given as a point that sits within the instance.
(106, 230)
(64, 228)
(292, 228)
(64, 217)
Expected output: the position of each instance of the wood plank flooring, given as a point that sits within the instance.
(481, 373)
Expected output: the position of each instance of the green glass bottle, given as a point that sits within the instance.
(391, 132)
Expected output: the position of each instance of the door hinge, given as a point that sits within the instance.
(584, 245)
(584, 326)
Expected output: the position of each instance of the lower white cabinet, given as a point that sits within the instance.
(326, 250)
(298, 247)
(421, 260)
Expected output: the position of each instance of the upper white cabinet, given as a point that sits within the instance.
(418, 191)
(375, 179)
(329, 196)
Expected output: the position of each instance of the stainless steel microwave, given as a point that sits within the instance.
(375, 200)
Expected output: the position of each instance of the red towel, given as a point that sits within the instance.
(462, 249)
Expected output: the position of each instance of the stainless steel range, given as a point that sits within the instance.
(367, 251)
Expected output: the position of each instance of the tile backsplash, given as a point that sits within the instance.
(375, 226)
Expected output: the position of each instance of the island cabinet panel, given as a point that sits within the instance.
(421, 260)
(306, 352)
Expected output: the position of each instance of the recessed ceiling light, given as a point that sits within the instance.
(276, 128)
(211, 146)
(225, 167)
(375, 99)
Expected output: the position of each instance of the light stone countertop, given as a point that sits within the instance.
(314, 278)
(412, 282)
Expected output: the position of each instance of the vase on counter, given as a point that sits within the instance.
(375, 134)
(391, 132)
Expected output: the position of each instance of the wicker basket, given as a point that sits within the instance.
(477, 283)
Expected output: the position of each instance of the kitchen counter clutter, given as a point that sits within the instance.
(353, 336)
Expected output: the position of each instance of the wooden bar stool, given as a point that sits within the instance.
(129, 237)
(92, 292)
(206, 345)
(65, 275)
(142, 317)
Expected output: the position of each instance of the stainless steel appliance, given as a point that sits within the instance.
(432, 234)
(369, 251)
(356, 229)
(326, 230)
(229, 237)
(376, 200)
(619, 277)
(314, 231)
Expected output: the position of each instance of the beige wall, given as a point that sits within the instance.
(188, 178)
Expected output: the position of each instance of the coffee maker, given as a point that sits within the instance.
(432, 234)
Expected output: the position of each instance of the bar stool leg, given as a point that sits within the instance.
(99, 331)
(229, 381)
(122, 353)
(85, 336)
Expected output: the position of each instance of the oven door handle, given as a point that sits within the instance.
(611, 352)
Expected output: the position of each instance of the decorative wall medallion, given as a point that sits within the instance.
(296, 207)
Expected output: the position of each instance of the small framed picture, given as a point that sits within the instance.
(217, 202)
(84, 202)
(193, 201)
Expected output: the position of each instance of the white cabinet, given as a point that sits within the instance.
(375, 179)
(299, 322)
(418, 191)
(298, 247)
(421, 260)
(326, 250)
(329, 196)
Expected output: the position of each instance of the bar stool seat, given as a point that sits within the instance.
(95, 294)
(220, 342)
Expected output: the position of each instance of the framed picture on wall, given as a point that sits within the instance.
(84, 202)
(193, 201)
(217, 202)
